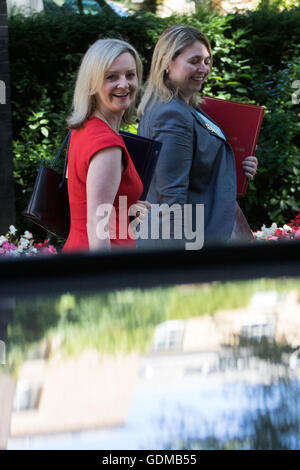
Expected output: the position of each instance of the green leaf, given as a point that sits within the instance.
(45, 131)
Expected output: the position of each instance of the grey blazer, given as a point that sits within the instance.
(195, 165)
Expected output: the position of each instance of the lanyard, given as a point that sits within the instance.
(208, 123)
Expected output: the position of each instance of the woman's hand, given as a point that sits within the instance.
(250, 166)
(139, 211)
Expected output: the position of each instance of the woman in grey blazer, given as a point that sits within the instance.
(196, 165)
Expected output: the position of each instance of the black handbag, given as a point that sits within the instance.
(48, 206)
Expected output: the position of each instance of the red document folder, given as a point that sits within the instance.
(240, 123)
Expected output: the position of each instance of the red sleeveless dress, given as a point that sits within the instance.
(96, 135)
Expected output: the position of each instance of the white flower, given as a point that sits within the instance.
(274, 227)
(12, 230)
(259, 234)
(14, 253)
(287, 228)
(2, 240)
(27, 235)
(23, 243)
(269, 231)
(31, 251)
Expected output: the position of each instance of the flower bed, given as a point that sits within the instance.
(287, 232)
(11, 245)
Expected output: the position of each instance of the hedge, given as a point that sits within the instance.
(256, 60)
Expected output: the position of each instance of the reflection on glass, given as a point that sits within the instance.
(212, 366)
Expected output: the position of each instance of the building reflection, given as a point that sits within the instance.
(258, 347)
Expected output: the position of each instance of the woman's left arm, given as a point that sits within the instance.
(250, 166)
(103, 180)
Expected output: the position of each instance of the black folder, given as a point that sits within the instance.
(144, 154)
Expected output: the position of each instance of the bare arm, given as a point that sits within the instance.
(103, 181)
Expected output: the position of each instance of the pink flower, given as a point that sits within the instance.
(38, 245)
(13, 246)
(285, 234)
(41, 245)
(48, 249)
(8, 246)
(272, 237)
(297, 233)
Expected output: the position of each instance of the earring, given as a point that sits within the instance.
(167, 71)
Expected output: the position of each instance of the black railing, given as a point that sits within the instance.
(83, 272)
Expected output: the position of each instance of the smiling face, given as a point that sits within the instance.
(189, 70)
(119, 86)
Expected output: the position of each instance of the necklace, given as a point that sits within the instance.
(100, 116)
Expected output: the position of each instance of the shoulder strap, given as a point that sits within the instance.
(67, 138)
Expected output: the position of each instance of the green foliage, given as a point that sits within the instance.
(39, 139)
(45, 52)
(123, 320)
(274, 194)
(119, 321)
(274, 36)
(255, 61)
(277, 5)
(150, 5)
(30, 322)
(273, 56)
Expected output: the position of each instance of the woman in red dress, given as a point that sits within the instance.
(102, 180)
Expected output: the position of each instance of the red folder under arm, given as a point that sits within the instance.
(240, 123)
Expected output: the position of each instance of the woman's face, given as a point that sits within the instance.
(119, 86)
(190, 69)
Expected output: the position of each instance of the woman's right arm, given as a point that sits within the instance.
(174, 128)
(103, 181)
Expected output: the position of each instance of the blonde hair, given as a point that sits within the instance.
(170, 45)
(90, 78)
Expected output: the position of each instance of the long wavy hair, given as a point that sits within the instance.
(90, 77)
(170, 45)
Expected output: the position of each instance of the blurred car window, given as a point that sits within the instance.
(92, 7)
